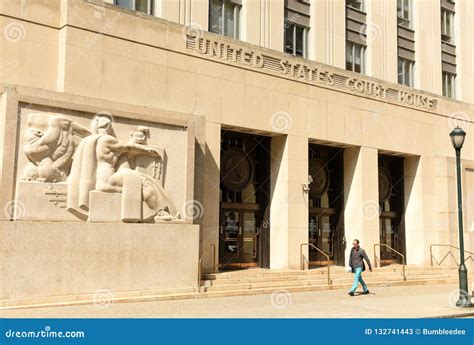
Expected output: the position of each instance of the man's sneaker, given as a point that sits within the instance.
(366, 292)
(351, 294)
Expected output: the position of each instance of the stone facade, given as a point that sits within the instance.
(179, 86)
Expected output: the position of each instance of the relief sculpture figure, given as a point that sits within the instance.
(50, 152)
(106, 164)
(140, 162)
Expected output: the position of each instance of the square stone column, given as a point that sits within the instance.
(8, 132)
(420, 199)
(186, 12)
(382, 51)
(272, 24)
(327, 37)
(426, 20)
(361, 199)
(209, 178)
(288, 201)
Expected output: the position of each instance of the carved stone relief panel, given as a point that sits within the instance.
(94, 167)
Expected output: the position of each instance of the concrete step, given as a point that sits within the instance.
(225, 278)
(217, 280)
(227, 293)
(306, 288)
(251, 273)
(102, 297)
(261, 282)
(323, 282)
(301, 280)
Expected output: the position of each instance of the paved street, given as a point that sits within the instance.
(412, 301)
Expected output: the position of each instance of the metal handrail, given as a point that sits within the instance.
(199, 275)
(449, 253)
(200, 266)
(214, 255)
(395, 251)
(320, 251)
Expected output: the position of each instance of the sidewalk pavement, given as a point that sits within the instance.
(383, 302)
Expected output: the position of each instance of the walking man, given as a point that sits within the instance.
(356, 262)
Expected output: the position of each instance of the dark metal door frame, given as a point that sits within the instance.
(237, 260)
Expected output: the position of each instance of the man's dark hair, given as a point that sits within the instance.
(355, 239)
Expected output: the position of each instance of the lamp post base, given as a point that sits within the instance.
(464, 301)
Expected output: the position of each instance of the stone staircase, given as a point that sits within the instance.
(261, 281)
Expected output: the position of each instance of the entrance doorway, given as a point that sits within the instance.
(244, 233)
(391, 226)
(321, 235)
(326, 223)
(239, 237)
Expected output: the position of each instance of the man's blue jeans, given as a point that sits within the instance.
(358, 279)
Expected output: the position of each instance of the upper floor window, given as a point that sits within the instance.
(355, 57)
(404, 12)
(296, 39)
(145, 6)
(449, 84)
(405, 72)
(224, 18)
(357, 4)
(447, 25)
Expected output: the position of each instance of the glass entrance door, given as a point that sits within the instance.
(249, 237)
(238, 239)
(321, 234)
(388, 236)
(230, 233)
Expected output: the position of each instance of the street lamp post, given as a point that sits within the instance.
(457, 137)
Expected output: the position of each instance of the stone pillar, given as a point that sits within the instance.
(361, 211)
(382, 55)
(184, 12)
(426, 21)
(250, 23)
(446, 226)
(327, 37)
(464, 55)
(272, 21)
(209, 178)
(8, 133)
(419, 216)
(288, 201)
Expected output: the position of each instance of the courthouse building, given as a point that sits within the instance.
(143, 139)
